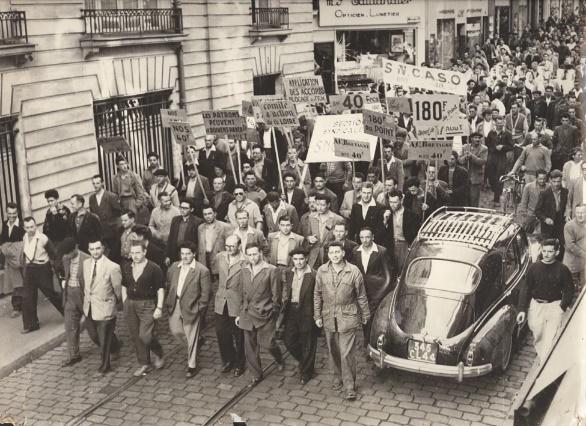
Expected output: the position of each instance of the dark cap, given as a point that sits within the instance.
(160, 172)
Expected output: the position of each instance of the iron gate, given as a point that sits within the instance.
(8, 172)
(138, 119)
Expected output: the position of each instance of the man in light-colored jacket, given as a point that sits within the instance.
(575, 240)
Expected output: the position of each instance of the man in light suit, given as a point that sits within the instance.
(576, 194)
(575, 240)
(227, 305)
(211, 237)
(102, 283)
(352, 197)
(189, 290)
(320, 230)
(106, 206)
(281, 243)
(277, 208)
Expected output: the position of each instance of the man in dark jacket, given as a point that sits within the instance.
(10, 239)
(106, 206)
(371, 219)
(220, 198)
(551, 209)
(499, 142)
(265, 169)
(56, 225)
(402, 227)
(300, 336)
(565, 138)
(457, 179)
(183, 228)
(84, 225)
(209, 157)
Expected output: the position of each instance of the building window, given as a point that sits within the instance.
(8, 171)
(265, 84)
(138, 120)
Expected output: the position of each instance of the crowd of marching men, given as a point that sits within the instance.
(281, 249)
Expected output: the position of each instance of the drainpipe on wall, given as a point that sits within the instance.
(180, 65)
(22, 171)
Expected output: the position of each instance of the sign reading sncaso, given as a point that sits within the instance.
(398, 73)
(369, 12)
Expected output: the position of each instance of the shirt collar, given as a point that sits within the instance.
(306, 270)
(261, 265)
(190, 266)
(371, 204)
(213, 148)
(16, 223)
(373, 247)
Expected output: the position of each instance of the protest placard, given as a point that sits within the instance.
(438, 116)
(328, 127)
(173, 115)
(225, 123)
(429, 150)
(379, 124)
(256, 100)
(114, 144)
(183, 134)
(398, 104)
(279, 113)
(399, 73)
(247, 110)
(309, 90)
(354, 102)
(352, 150)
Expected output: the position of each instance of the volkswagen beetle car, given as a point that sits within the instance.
(453, 311)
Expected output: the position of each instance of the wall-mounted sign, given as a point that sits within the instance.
(369, 12)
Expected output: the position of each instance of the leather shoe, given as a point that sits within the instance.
(226, 367)
(29, 330)
(238, 372)
(70, 361)
(256, 380)
(350, 395)
(281, 365)
(190, 372)
(15, 314)
(141, 371)
(104, 371)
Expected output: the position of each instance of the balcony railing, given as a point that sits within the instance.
(109, 22)
(266, 18)
(13, 28)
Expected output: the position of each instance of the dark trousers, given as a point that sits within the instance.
(16, 299)
(73, 307)
(254, 340)
(496, 186)
(37, 277)
(107, 340)
(230, 339)
(141, 327)
(301, 340)
(338, 189)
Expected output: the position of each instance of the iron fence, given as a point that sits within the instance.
(138, 120)
(13, 28)
(270, 17)
(8, 172)
(132, 21)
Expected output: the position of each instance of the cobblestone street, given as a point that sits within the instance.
(44, 393)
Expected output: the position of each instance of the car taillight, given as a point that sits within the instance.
(380, 342)
(470, 354)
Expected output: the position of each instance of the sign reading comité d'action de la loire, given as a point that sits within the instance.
(369, 12)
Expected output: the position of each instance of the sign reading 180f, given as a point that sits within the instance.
(429, 110)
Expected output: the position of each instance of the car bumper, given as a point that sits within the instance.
(459, 372)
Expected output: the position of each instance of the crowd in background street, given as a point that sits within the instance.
(281, 255)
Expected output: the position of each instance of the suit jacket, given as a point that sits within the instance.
(295, 241)
(270, 175)
(108, 211)
(255, 236)
(546, 208)
(298, 201)
(288, 210)
(193, 223)
(221, 231)
(196, 292)
(206, 164)
(542, 109)
(222, 206)
(66, 273)
(349, 247)
(89, 229)
(14, 237)
(459, 196)
(316, 251)
(377, 276)
(261, 296)
(496, 162)
(229, 293)
(305, 299)
(349, 200)
(564, 139)
(373, 220)
(575, 252)
(411, 225)
(101, 295)
(575, 195)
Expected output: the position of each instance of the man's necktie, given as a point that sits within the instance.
(94, 270)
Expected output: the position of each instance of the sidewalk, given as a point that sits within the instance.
(19, 349)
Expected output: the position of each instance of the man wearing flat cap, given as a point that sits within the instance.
(163, 185)
(473, 158)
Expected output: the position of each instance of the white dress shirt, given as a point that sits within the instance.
(183, 271)
(365, 254)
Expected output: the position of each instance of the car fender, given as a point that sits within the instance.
(487, 345)
(381, 319)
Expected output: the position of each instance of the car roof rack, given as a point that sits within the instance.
(468, 225)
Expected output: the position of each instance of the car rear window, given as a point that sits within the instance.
(443, 274)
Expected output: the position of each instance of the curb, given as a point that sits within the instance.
(32, 355)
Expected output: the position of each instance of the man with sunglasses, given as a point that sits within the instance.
(241, 203)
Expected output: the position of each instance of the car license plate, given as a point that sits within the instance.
(421, 351)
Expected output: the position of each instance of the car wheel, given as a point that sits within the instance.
(507, 353)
